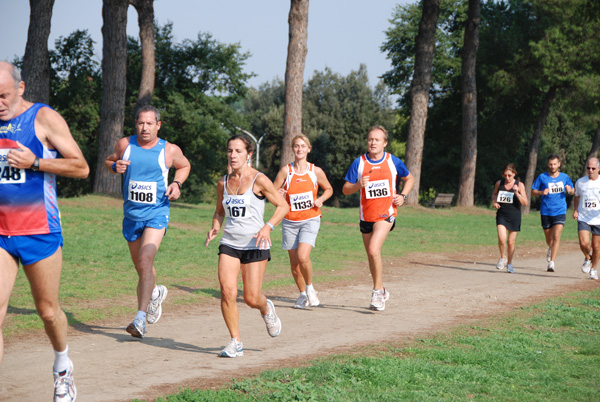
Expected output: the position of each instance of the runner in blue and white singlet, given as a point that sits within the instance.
(144, 160)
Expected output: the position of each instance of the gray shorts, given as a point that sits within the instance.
(299, 232)
(582, 226)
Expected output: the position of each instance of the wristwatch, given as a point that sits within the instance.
(403, 195)
(36, 164)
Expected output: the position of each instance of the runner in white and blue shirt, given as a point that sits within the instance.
(553, 186)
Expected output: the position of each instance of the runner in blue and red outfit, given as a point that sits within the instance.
(553, 186)
(31, 138)
(144, 160)
(375, 175)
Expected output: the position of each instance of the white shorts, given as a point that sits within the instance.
(299, 232)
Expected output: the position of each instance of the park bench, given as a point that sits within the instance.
(441, 200)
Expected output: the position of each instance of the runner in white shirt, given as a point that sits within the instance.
(587, 213)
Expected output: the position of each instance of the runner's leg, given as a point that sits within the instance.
(44, 279)
(229, 269)
(373, 244)
(8, 274)
(143, 251)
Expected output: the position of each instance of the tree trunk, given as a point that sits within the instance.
(114, 69)
(535, 143)
(36, 60)
(594, 151)
(419, 93)
(466, 188)
(145, 10)
(294, 77)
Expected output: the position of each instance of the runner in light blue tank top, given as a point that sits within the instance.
(145, 181)
(145, 160)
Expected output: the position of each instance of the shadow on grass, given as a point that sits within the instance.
(21, 311)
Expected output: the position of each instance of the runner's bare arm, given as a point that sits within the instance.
(182, 169)
(53, 132)
(267, 189)
(280, 180)
(219, 215)
(113, 163)
(325, 185)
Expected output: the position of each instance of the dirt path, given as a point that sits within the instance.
(428, 294)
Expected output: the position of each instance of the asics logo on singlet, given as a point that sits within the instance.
(137, 186)
(235, 201)
(301, 197)
(375, 185)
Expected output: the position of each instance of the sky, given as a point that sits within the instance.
(342, 34)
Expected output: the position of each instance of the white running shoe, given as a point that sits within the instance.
(301, 302)
(313, 300)
(551, 266)
(273, 322)
(587, 265)
(233, 349)
(154, 310)
(378, 299)
(137, 328)
(510, 269)
(64, 385)
(594, 274)
(501, 263)
(549, 254)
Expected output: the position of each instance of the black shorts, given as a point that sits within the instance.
(367, 227)
(549, 221)
(510, 222)
(246, 256)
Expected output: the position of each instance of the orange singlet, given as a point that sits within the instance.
(376, 198)
(301, 194)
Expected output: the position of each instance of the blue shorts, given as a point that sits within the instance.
(549, 221)
(32, 248)
(133, 230)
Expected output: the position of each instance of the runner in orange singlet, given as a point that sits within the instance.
(299, 183)
(375, 175)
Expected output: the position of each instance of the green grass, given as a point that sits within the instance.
(545, 352)
(98, 279)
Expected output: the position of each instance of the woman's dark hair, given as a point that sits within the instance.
(247, 141)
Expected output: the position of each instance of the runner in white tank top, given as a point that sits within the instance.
(245, 189)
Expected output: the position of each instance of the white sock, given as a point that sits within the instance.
(61, 360)
(141, 315)
(310, 287)
(303, 293)
(155, 293)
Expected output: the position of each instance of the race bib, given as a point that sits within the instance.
(505, 197)
(237, 207)
(378, 189)
(591, 203)
(555, 188)
(302, 201)
(9, 175)
(143, 192)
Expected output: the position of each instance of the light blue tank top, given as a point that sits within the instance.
(145, 181)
